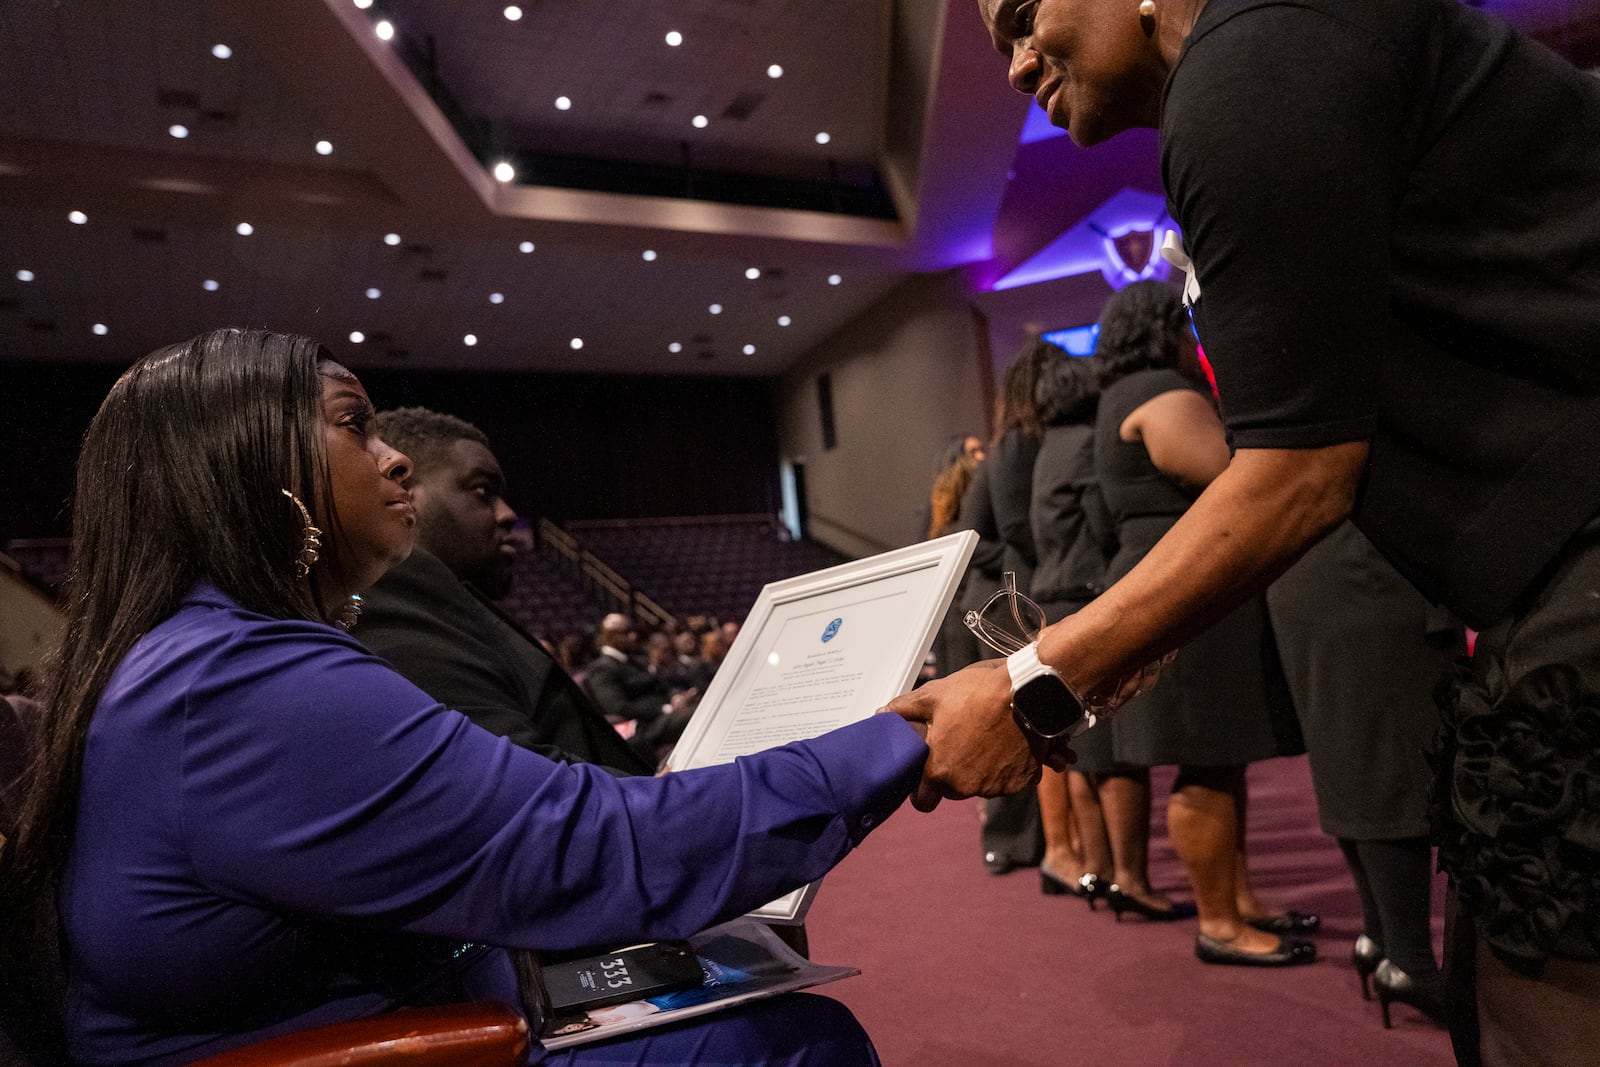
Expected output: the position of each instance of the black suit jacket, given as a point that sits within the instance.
(457, 647)
(623, 689)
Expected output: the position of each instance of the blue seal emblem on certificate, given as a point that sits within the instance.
(832, 631)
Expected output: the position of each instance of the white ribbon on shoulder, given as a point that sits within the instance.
(1172, 251)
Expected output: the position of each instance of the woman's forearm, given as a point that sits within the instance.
(1254, 520)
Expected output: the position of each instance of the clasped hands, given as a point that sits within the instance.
(975, 747)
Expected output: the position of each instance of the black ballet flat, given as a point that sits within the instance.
(1121, 902)
(1290, 922)
(1365, 957)
(1393, 984)
(1290, 952)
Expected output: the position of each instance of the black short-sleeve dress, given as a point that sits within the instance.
(1210, 707)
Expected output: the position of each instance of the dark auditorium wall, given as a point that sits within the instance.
(573, 446)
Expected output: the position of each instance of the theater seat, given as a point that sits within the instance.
(456, 1035)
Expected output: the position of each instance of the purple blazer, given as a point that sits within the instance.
(277, 831)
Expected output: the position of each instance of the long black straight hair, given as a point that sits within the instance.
(180, 479)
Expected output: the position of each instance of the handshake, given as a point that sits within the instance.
(975, 748)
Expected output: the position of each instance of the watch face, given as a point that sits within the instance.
(1047, 706)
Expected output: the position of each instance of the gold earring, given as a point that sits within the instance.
(1147, 17)
(310, 542)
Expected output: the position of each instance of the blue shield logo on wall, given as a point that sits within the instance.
(832, 630)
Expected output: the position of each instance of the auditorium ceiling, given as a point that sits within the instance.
(656, 186)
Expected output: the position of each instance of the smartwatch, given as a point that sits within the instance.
(1043, 702)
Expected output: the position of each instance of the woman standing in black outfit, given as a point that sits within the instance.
(1363, 653)
(1071, 536)
(1158, 442)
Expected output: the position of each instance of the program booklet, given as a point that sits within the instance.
(739, 961)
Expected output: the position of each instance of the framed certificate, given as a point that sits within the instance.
(821, 651)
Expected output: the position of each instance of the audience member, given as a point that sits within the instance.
(251, 825)
(645, 711)
(432, 616)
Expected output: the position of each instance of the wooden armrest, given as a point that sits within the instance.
(455, 1035)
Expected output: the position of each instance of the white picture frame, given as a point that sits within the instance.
(821, 651)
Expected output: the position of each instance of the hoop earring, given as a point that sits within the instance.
(310, 540)
(1147, 17)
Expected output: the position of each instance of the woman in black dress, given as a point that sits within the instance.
(1158, 443)
(1363, 653)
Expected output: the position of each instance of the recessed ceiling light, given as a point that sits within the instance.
(470, 339)
(784, 320)
(749, 350)
(649, 255)
(373, 294)
(221, 51)
(834, 279)
(210, 285)
(674, 38)
(774, 71)
(391, 239)
(715, 309)
(324, 148)
(356, 337)
(823, 137)
(699, 122)
(24, 275)
(77, 218)
(576, 343)
(363, 4)
(497, 298)
(563, 103)
(753, 273)
(674, 348)
(384, 29)
(512, 12)
(178, 130)
(525, 247)
(504, 172)
(244, 229)
(99, 329)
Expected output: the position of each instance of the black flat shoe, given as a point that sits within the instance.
(1424, 994)
(1365, 957)
(1290, 922)
(1290, 951)
(1121, 902)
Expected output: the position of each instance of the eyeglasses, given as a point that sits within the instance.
(1004, 617)
(1009, 621)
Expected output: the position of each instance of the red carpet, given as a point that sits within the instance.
(962, 968)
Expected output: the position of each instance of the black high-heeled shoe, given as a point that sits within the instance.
(1120, 902)
(1424, 994)
(1053, 886)
(1092, 888)
(1365, 957)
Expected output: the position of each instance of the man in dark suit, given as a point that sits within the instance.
(433, 617)
(630, 695)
